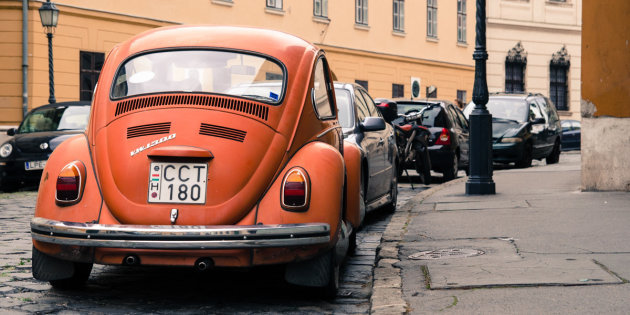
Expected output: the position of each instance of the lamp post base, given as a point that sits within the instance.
(480, 187)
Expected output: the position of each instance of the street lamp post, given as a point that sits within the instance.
(49, 15)
(480, 180)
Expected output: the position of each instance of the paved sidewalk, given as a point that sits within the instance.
(539, 245)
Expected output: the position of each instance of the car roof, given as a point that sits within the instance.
(71, 103)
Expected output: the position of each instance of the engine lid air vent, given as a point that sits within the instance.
(222, 132)
(150, 129)
(244, 106)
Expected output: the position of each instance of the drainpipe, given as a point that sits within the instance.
(24, 57)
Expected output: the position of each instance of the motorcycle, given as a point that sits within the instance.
(412, 140)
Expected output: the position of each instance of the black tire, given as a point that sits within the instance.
(391, 207)
(330, 290)
(60, 273)
(526, 160)
(554, 156)
(423, 165)
(451, 172)
(8, 186)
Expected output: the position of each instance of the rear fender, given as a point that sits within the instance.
(88, 208)
(325, 168)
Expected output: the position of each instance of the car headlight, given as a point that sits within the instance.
(511, 140)
(6, 150)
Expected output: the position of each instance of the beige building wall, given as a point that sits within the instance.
(374, 53)
(543, 27)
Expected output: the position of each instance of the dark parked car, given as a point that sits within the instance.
(24, 156)
(524, 127)
(448, 143)
(571, 135)
(363, 124)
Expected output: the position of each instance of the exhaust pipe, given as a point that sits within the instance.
(131, 260)
(204, 264)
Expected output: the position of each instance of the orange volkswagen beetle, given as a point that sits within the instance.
(207, 146)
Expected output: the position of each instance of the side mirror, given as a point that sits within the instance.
(389, 110)
(11, 132)
(538, 121)
(372, 124)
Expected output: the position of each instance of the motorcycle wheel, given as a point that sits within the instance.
(423, 164)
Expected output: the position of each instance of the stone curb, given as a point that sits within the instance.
(387, 295)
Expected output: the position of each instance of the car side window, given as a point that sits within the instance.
(534, 111)
(321, 91)
(370, 104)
(462, 118)
(453, 115)
(362, 109)
(553, 113)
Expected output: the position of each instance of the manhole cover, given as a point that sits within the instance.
(446, 253)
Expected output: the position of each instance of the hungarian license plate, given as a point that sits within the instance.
(178, 182)
(34, 165)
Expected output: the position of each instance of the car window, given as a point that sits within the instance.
(566, 125)
(462, 119)
(534, 111)
(321, 91)
(434, 117)
(205, 71)
(370, 104)
(344, 108)
(553, 113)
(544, 109)
(454, 117)
(56, 118)
(577, 125)
(505, 108)
(361, 107)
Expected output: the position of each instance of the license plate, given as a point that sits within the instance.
(34, 165)
(178, 183)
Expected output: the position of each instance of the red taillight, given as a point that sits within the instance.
(70, 184)
(444, 138)
(295, 188)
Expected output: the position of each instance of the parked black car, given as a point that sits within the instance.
(23, 157)
(448, 142)
(524, 127)
(363, 124)
(571, 135)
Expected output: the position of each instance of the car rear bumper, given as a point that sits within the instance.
(178, 236)
(441, 157)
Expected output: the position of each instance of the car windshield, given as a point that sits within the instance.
(56, 118)
(344, 112)
(510, 109)
(202, 71)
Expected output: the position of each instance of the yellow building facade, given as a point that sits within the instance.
(381, 44)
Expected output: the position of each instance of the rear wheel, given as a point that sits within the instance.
(391, 207)
(554, 156)
(451, 172)
(334, 266)
(60, 273)
(423, 165)
(526, 160)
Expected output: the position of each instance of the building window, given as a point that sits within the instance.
(362, 83)
(90, 68)
(399, 15)
(432, 18)
(398, 90)
(515, 63)
(558, 74)
(461, 21)
(274, 4)
(320, 8)
(361, 12)
(461, 95)
(431, 91)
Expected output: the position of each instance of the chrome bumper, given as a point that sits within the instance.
(178, 236)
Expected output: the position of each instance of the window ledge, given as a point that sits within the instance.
(433, 39)
(565, 113)
(274, 11)
(227, 3)
(363, 27)
(566, 4)
(462, 44)
(321, 19)
(399, 33)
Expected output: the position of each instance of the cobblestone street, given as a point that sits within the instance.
(123, 290)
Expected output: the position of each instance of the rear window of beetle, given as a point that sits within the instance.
(201, 71)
